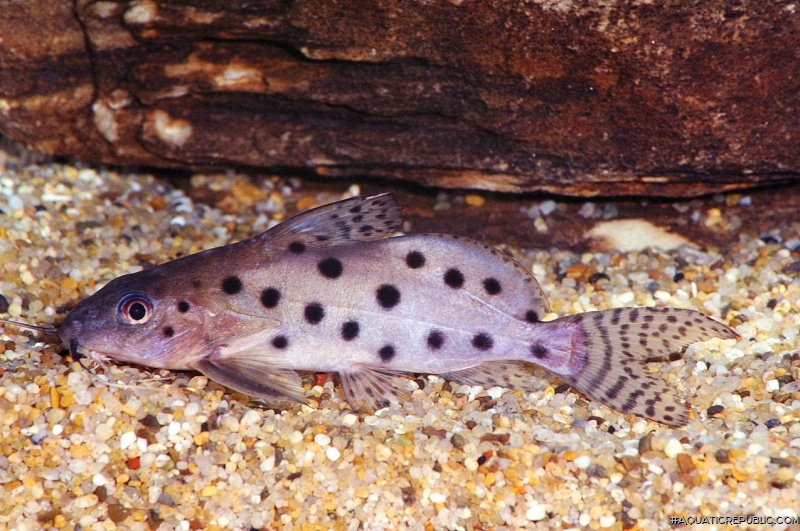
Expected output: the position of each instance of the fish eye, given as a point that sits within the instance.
(134, 308)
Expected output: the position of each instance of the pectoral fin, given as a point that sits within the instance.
(254, 375)
(366, 387)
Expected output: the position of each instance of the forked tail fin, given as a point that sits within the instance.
(618, 344)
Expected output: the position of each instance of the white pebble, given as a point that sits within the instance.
(99, 480)
(333, 453)
(382, 452)
(495, 392)
(349, 420)
(583, 462)
(267, 464)
(251, 418)
(437, 497)
(83, 398)
(230, 423)
(127, 440)
(772, 385)
(471, 464)
(77, 466)
(84, 502)
(673, 448)
(192, 409)
(104, 432)
(322, 439)
(536, 512)
(607, 520)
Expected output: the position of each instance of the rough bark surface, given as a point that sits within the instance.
(572, 97)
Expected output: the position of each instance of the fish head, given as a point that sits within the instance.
(144, 318)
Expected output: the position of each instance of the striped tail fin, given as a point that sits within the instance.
(618, 344)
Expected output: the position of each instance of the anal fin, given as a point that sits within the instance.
(367, 387)
(252, 376)
(516, 375)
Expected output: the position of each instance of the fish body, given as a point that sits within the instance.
(328, 291)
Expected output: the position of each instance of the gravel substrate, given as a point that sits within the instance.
(175, 451)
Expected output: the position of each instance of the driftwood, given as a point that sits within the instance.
(581, 98)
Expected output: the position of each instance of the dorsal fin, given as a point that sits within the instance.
(361, 218)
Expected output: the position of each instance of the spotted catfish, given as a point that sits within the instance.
(328, 291)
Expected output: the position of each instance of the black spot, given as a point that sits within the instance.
(492, 286)
(169, 331)
(482, 341)
(531, 316)
(322, 237)
(539, 351)
(232, 285)
(280, 342)
(454, 278)
(183, 306)
(366, 228)
(350, 330)
(388, 296)
(356, 209)
(358, 219)
(435, 339)
(330, 268)
(196, 283)
(314, 313)
(297, 247)
(386, 353)
(415, 259)
(270, 297)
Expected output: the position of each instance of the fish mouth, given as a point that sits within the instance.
(76, 351)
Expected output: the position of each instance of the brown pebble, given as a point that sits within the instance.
(320, 378)
(685, 463)
(715, 410)
(596, 471)
(486, 402)
(150, 421)
(409, 496)
(47, 516)
(722, 456)
(780, 461)
(430, 431)
(133, 463)
(563, 388)
(646, 444)
(501, 438)
(147, 434)
(457, 440)
(630, 463)
(117, 512)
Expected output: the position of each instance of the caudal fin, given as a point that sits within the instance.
(618, 344)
